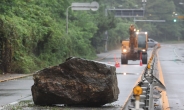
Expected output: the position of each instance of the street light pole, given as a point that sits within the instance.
(67, 19)
(81, 6)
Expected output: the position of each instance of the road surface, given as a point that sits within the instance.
(171, 59)
(16, 90)
(172, 63)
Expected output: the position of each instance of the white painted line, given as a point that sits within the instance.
(177, 54)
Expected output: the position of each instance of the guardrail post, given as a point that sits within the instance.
(151, 98)
(137, 105)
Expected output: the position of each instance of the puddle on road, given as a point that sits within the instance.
(177, 60)
(6, 94)
(128, 73)
(13, 89)
(172, 60)
(180, 48)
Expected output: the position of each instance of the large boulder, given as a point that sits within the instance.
(76, 82)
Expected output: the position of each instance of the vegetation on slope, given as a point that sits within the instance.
(33, 32)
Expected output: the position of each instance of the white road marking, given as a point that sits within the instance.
(177, 54)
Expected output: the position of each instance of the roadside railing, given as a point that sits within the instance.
(147, 93)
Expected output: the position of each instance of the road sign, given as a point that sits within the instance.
(81, 6)
(85, 6)
(181, 17)
(127, 12)
(94, 6)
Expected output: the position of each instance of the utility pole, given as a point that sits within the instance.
(106, 40)
(106, 34)
(144, 4)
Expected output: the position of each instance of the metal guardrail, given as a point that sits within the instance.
(150, 87)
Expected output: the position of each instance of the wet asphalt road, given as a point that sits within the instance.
(172, 63)
(16, 90)
(127, 75)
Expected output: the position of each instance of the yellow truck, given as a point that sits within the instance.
(136, 50)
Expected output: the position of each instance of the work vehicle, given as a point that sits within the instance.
(137, 50)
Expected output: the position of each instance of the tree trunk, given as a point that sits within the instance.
(6, 56)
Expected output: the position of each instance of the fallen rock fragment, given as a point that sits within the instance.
(76, 82)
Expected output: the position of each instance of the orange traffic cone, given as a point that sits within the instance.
(116, 62)
(140, 58)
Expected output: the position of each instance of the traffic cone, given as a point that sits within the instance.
(140, 58)
(116, 62)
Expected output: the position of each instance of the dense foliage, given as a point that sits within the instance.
(33, 32)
